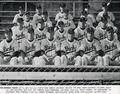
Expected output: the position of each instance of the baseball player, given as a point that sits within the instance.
(105, 10)
(90, 49)
(19, 15)
(49, 45)
(27, 20)
(46, 19)
(37, 16)
(67, 22)
(8, 46)
(61, 14)
(70, 46)
(19, 32)
(61, 33)
(40, 31)
(81, 29)
(111, 47)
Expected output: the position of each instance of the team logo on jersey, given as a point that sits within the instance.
(102, 36)
(61, 38)
(40, 37)
(8, 50)
(89, 49)
(21, 36)
(49, 48)
(30, 49)
(80, 37)
(70, 49)
(109, 48)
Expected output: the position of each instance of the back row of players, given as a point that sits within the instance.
(39, 43)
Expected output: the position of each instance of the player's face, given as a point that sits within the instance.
(90, 36)
(21, 12)
(8, 36)
(70, 36)
(38, 11)
(20, 23)
(27, 17)
(110, 35)
(61, 27)
(104, 24)
(61, 9)
(66, 16)
(50, 35)
(45, 17)
(41, 25)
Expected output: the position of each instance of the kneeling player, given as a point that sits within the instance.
(90, 49)
(111, 46)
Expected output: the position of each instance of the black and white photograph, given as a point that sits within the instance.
(59, 42)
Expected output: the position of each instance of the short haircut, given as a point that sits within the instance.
(19, 20)
(66, 11)
(44, 13)
(83, 19)
(90, 30)
(41, 20)
(60, 23)
(71, 31)
(50, 29)
(38, 7)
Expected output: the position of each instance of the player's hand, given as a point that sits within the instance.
(7, 58)
(113, 58)
(92, 58)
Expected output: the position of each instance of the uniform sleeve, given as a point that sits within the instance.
(15, 18)
(112, 16)
(98, 18)
(57, 17)
(1, 46)
(118, 45)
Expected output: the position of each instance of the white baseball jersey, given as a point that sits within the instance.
(79, 34)
(70, 47)
(50, 47)
(40, 34)
(60, 37)
(68, 24)
(8, 48)
(19, 34)
(90, 48)
(62, 15)
(31, 47)
(110, 47)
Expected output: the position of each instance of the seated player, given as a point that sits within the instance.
(90, 49)
(67, 22)
(61, 33)
(61, 14)
(40, 31)
(27, 20)
(19, 15)
(70, 46)
(19, 32)
(111, 47)
(81, 29)
(30, 46)
(49, 45)
(46, 19)
(8, 46)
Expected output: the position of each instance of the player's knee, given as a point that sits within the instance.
(14, 61)
(57, 61)
(21, 60)
(64, 60)
(78, 61)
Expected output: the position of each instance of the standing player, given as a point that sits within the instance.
(91, 48)
(19, 15)
(27, 20)
(46, 19)
(40, 31)
(105, 10)
(70, 45)
(8, 46)
(67, 22)
(111, 47)
(61, 14)
(60, 34)
(37, 16)
(81, 29)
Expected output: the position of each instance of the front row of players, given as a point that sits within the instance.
(59, 51)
